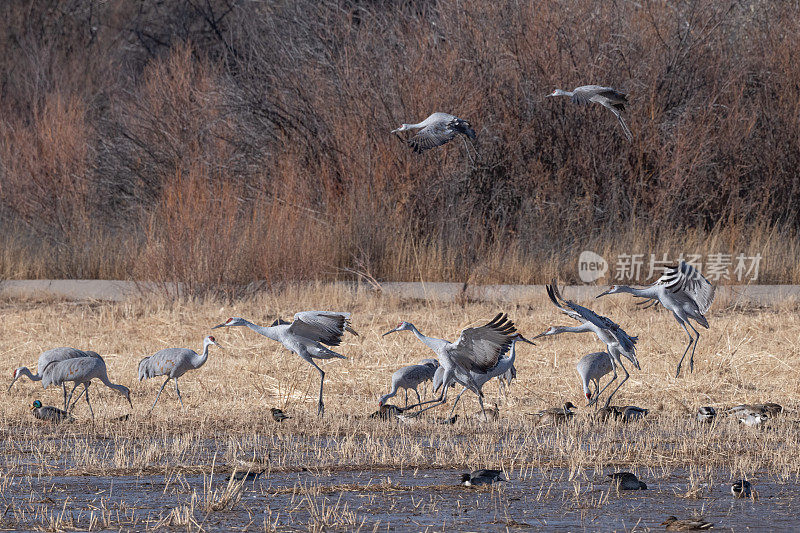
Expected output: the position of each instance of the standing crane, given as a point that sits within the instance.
(51, 356)
(618, 343)
(173, 363)
(81, 371)
(681, 290)
(610, 98)
(409, 377)
(476, 352)
(436, 130)
(591, 368)
(306, 336)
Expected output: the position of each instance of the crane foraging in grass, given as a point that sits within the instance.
(46, 358)
(612, 99)
(410, 377)
(591, 368)
(173, 363)
(684, 292)
(476, 353)
(81, 371)
(307, 336)
(436, 130)
(618, 343)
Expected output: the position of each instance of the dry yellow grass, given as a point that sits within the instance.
(749, 355)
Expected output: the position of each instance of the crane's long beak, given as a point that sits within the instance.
(390, 331)
(603, 293)
(523, 339)
(540, 335)
(12, 384)
(221, 325)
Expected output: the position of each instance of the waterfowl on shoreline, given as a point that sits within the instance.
(627, 481)
(672, 523)
(555, 415)
(706, 414)
(278, 415)
(49, 413)
(483, 476)
(741, 489)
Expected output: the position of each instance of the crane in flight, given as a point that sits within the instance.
(612, 99)
(309, 336)
(475, 354)
(618, 343)
(684, 292)
(173, 363)
(54, 355)
(436, 130)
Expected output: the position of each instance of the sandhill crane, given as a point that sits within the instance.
(476, 353)
(673, 523)
(436, 130)
(627, 481)
(484, 476)
(681, 290)
(306, 336)
(173, 363)
(504, 365)
(82, 370)
(49, 413)
(618, 343)
(409, 377)
(610, 98)
(591, 367)
(51, 356)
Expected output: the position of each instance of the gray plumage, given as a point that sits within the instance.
(81, 371)
(684, 292)
(49, 413)
(475, 357)
(618, 343)
(173, 363)
(409, 377)
(436, 130)
(627, 481)
(591, 368)
(306, 336)
(612, 99)
(54, 355)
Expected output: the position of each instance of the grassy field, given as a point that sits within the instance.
(749, 355)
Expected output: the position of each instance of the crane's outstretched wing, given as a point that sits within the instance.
(480, 348)
(431, 136)
(686, 279)
(552, 292)
(326, 327)
(587, 315)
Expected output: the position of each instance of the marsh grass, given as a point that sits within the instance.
(749, 355)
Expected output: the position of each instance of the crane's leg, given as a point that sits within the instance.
(597, 397)
(456, 402)
(64, 386)
(419, 400)
(406, 407)
(74, 386)
(178, 391)
(691, 341)
(608, 400)
(86, 389)
(436, 403)
(321, 408)
(159, 393)
(691, 358)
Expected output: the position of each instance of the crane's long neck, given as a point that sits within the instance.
(269, 332)
(644, 292)
(561, 92)
(431, 342)
(200, 360)
(583, 328)
(25, 372)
